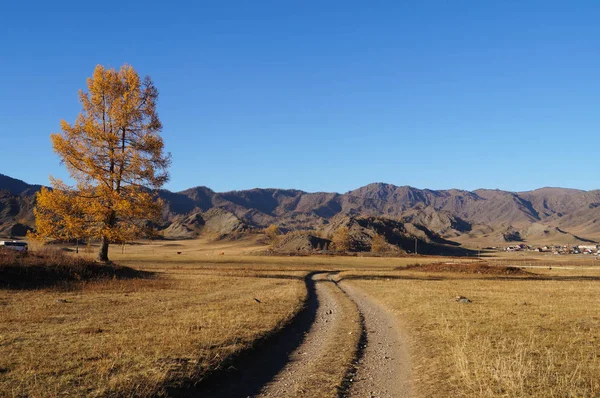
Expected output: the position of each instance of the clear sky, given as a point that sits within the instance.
(322, 95)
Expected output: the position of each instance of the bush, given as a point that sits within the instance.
(272, 233)
(52, 267)
(378, 244)
(341, 239)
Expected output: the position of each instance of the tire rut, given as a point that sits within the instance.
(298, 377)
(247, 373)
(382, 369)
(316, 356)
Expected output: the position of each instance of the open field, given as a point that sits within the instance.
(533, 334)
(518, 337)
(134, 337)
(204, 254)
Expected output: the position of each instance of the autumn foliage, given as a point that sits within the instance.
(341, 239)
(114, 152)
(272, 233)
(378, 244)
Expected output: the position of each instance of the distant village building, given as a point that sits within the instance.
(587, 247)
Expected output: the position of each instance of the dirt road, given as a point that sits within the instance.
(315, 368)
(383, 366)
(342, 344)
(383, 370)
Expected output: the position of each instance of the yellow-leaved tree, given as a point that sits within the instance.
(114, 153)
(341, 239)
(272, 233)
(378, 244)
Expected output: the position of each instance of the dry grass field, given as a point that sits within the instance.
(519, 337)
(134, 337)
(534, 336)
(203, 254)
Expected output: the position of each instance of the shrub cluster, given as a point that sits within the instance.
(51, 267)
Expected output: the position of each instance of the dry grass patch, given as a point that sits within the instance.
(133, 337)
(465, 268)
(200, 253)
(525, 338)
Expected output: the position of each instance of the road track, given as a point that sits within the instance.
(305, 359)
(383, 370)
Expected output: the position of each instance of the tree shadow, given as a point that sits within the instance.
(35, 272)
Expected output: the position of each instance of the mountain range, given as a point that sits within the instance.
(483, 217)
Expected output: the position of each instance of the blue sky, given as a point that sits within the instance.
(322, 95)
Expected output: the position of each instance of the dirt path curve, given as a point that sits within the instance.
(310, 357)
(316, 355)
(247, 373)
(383, 366)
(383, 369)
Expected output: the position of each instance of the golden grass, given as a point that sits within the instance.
(134, 337)
(240, 254)
(518, 338)
(536, 258)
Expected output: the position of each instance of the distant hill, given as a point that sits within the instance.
(16, 206)
(17, 187)
(216, 222)
(480, 217)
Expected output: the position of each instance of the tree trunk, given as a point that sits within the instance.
(103, 253)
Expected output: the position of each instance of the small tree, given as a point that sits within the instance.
(378, 244)
(114, 152)
(272, 233)
(341, 239)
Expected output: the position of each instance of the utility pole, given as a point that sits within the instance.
(416, 246)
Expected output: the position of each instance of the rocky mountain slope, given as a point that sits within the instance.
(216, 222)
(481, 217)
(16, 206)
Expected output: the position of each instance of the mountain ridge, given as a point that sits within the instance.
(479, 216)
